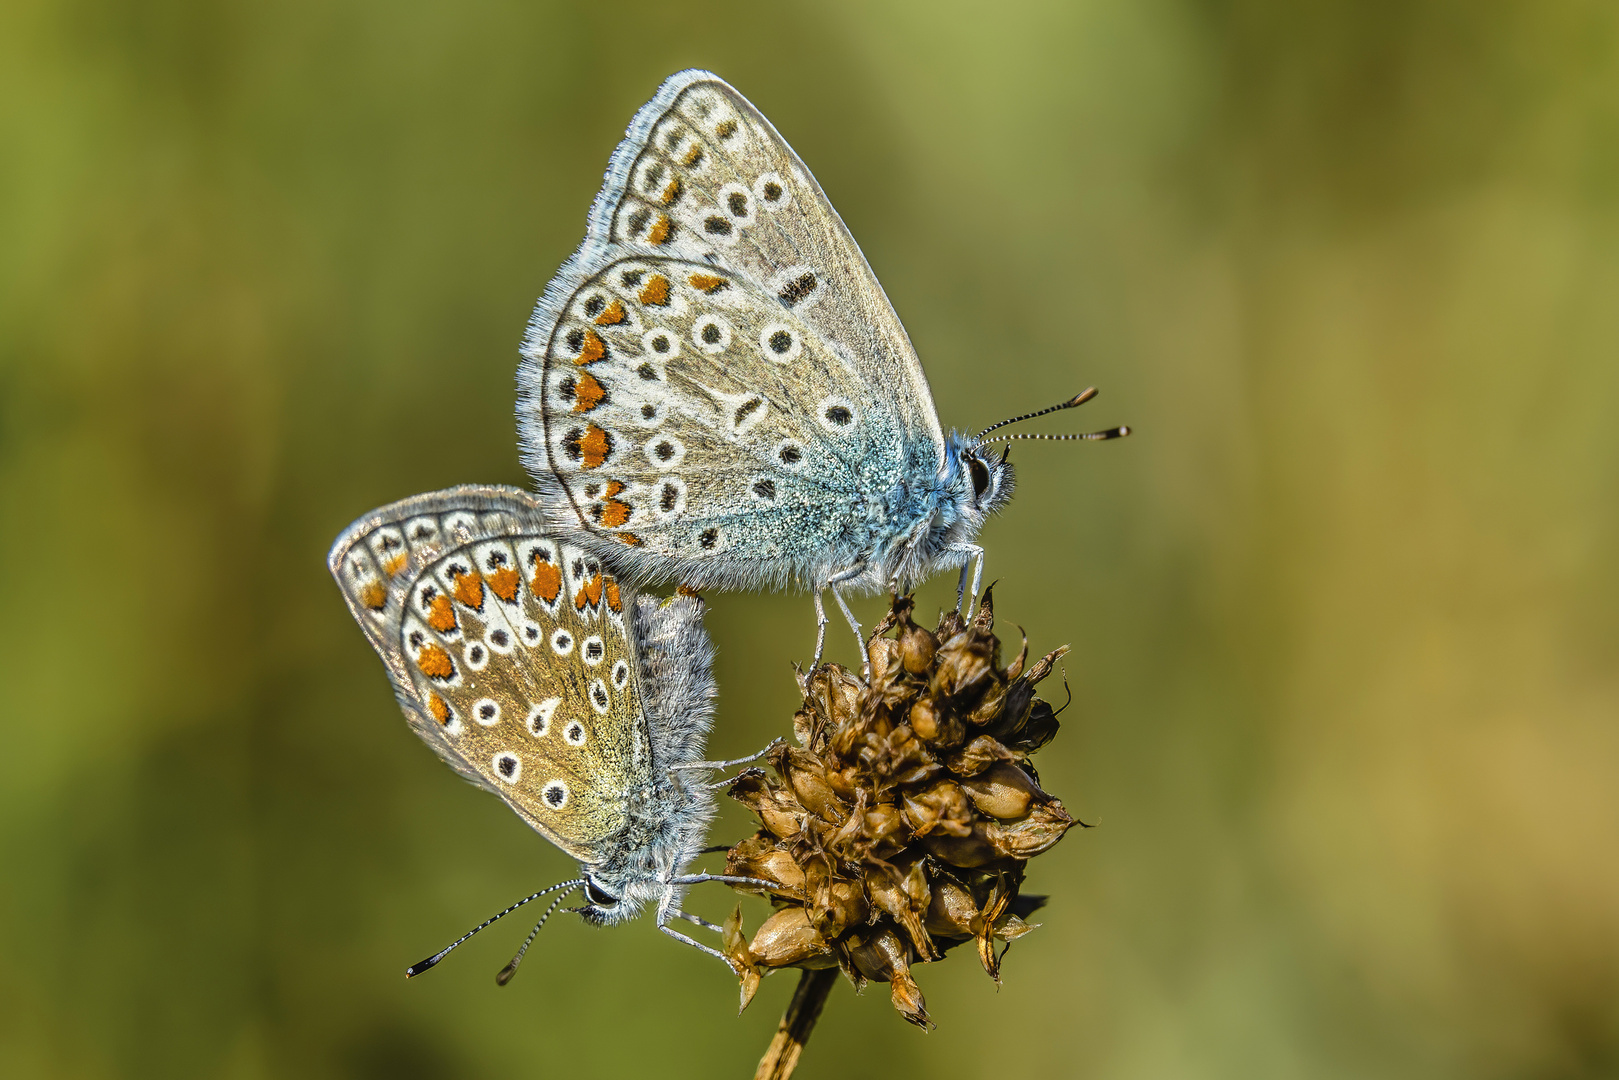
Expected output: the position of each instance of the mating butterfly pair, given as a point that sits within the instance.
(715, 390)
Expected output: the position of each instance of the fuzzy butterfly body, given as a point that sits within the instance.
(533, 674)
(715, 387)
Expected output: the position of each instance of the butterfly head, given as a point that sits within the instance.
(978, 482)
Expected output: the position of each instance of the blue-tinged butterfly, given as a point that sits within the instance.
(535, 675)
(715, 388)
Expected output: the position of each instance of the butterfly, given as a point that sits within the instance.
(534, 675)
(715, 388)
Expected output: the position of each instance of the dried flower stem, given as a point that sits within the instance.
(796, 1024)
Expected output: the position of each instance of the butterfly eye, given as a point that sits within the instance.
(980, 474)
(598, 896)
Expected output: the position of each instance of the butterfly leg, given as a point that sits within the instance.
(728, 879)
(726, 764)
(699, 920)
(975, 560)
(859, 635)
(667, 911)
(849, 574)
(820, 630)
(678, 936)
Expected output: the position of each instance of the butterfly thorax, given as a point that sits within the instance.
(913, 534)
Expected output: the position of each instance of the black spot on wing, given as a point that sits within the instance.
(796, 289)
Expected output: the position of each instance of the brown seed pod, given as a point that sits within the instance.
(788, 940)
(759, 857)
(1003, 791)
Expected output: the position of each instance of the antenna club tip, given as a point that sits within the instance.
(1082, 397)
(504, 975)
(1124, 429)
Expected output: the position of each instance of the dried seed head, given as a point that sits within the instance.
(901, 823)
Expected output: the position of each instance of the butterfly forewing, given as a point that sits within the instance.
(508, 651)
(709, 175)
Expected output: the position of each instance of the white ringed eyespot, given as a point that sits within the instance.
(711, 334)
(771, 191)
(508, 766)
(837, 414)
(780, 343)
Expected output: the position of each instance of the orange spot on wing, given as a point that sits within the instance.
(469, 590)
(655, 291)
(547, 582)
(394, 563)
(613, 600)
(436, 706)
(614, 513)
(594, 446)
(613, 315)
(592, 350)
(661, 230)
(504, 582)
(590, 593)
(707, 282)
(687, 590)
(441, 616)
(435, 663)
(628, 538)
(671, 192)
(374, 594)
(614, 487)
(693, 155)
(587, 393)
(725, 129)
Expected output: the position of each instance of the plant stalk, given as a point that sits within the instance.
(796, 1024)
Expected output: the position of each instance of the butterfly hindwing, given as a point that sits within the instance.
(509, 652)
(703, 409)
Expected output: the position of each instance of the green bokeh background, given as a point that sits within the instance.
(1344, 611)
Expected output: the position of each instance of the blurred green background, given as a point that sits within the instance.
(1344, 611)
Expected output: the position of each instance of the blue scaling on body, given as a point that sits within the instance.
(534, 675)
(716, 390)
